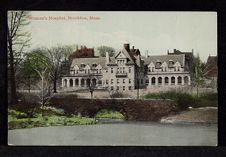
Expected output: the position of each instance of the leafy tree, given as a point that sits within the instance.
(103, 49)
(198, 73)
(37, 66)
(17, 40)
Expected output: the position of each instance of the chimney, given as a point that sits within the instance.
(132, 47)
(81, 47)
(126, 46)
(107, 58)
(138, 60)
(174, 50)
(168, 51)
(146, 54)
(76, 47)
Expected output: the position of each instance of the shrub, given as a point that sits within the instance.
(184, 100)
(109, 114)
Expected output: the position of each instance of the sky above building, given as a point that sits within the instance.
(155, 32)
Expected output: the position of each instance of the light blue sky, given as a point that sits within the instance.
(152, 31)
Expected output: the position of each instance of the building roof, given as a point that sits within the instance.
(165, 58)
(89, 61)
(84, 52)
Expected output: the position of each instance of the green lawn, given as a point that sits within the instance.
(109, 114)
(17, 120)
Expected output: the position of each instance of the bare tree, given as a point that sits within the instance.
(17, 40)
(56, 56)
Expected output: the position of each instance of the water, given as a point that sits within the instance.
(118, 133)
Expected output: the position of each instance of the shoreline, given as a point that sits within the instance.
(204, 115)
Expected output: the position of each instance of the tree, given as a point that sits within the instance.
(103, 49)
(17, 40)
(57, 55)
(198, 73)
(41, 66)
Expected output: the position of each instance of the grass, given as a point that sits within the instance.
(109, 114)
(184, 100)
(17, 120)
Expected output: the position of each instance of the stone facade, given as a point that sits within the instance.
(128, 70)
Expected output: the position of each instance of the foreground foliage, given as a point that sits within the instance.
(17, 119)
(185, 100)
(109, 114)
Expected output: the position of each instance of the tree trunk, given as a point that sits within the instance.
(55, 82)
(29, 84)
(197, 91)
(12, 82)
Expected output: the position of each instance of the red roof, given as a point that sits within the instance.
(84, 52)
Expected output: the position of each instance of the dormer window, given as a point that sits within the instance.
(171, 63)
(82, 65)
(94, 65)
(158, 65)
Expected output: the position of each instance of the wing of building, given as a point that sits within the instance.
(128, 70)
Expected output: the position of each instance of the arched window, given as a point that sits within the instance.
(82, 82)
(88, 82)
(159, 80)
(166, 81)
(71, 82)
(153, 80)
(76, 82)
(173, 80)
(179, 80)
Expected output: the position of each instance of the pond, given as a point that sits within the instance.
(118, 132)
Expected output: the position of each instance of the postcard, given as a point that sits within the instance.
(122, 78)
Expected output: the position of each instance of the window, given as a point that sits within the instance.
(123, 69)
(129, 80)
(141, 81)
(129, 69)
(130, 87)
(117, 87)
(123, 80)
(100, 71)
(123, 88)
(112, 88)
(85, 71)
(117, 80)
(82, 65)
(94, 65)
(111, 70)
(112, 81)
(106, 81)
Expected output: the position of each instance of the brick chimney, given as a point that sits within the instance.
(126, 46)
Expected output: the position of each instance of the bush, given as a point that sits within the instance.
(117, 94)
(184, 100)
(109, 114)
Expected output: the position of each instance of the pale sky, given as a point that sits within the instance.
(153, 31)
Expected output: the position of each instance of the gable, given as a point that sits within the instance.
(164, 64)
(151, 65)
(120, 55)
(99, 66)
(76, 67)
(177, 64)
(87, 67)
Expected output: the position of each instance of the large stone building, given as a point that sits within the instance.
(128, 70)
